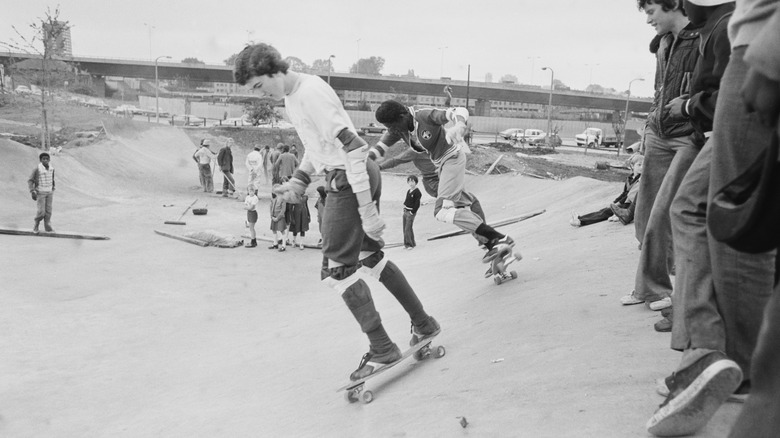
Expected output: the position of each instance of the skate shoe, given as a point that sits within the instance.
(495, 245)
(428, 329)
(371, 361)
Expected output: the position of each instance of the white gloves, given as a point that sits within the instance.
(373, 225)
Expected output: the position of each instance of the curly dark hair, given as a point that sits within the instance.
(258, 60)
(666, 5)
(390, 111)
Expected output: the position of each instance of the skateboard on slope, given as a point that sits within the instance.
(503, 257)
(421, 350)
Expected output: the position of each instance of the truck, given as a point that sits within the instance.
(594, 137)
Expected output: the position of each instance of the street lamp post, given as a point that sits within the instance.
(625, 119)
(330, 66)
(441, 67)
(157, 90)
(549, 102)
(533, 60)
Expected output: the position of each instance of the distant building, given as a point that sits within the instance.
(57, 38)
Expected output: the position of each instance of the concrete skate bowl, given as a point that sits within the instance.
(133, 161)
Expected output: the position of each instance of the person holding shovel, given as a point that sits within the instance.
(225, 162)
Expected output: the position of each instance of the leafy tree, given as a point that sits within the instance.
(261, 112)
(48, 32)
(410, 74)
(231, 60)
(192, 60)
(369, 66)
(594, 89)
(320, 66)
(297, 65)
(560, 85)
(509, 78)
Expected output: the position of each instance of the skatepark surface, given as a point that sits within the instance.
(146, 336)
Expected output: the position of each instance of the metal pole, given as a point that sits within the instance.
(625, 118)
(330, 66)
(549, 102)
(468, 86)
(157, 90)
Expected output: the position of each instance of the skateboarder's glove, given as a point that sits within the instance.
(373, 225)
(293, 190)
(34, 195)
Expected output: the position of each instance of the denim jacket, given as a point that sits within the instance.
(675, 62)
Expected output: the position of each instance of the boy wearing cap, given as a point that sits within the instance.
(351, 226)
(203, 156)
(41, 185)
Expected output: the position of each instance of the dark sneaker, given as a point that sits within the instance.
(48, 228)
(495, 245)
(274, 246)
(695, 393)
(373, 360)
(428, 329)
(664, 325)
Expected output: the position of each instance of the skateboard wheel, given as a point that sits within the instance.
(497, 280)
(513, 274)
(367, 397)
(440, 352)
(352, 396)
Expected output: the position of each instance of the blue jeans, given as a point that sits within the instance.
(720, 293)
(408, 223)
(665, 165)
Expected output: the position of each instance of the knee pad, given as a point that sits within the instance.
(342, 277)
(446, 215)
(375, 264)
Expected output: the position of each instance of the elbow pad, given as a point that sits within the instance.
(378, 151)
(453, 113)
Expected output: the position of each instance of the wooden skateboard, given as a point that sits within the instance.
(17, 232)
(421, 350)
(499, 262)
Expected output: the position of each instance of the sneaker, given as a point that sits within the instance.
(300, 247)
(668, 312)
(252, 243)
(48, 228)
(575, 220)
(372, 360)
(283, 248)
(663, 326)
(695, 393)
(35, 228)
(661, 304)
(739, 396)
(428, 329)
(494, 246)
(274, 246)
(630, 300)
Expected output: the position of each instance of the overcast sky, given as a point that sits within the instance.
(583, 41)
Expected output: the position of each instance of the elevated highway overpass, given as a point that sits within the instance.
(354, 82)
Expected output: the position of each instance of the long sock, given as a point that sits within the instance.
(379, 340)
(488, 232)
(395, 281)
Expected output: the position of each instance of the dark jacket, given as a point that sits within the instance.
(675, 62)
(225, 159)
(714, 54)
(412, 201)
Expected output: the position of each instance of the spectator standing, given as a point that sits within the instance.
(273, 156)
(278, 209)
(225, 162)
(41, 186)
(204, 156)
(250, 205)
(286, 164)
(253, 163)
(300, 218)
(411, 205)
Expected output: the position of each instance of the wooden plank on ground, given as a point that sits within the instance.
(68, 235)
(501, 223)
(495, 163)
(182, 238)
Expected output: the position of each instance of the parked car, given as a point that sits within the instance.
(594, 137)
(96, 103)
(235, 121)
(373, 128)
(21, 89)
(132, 109)
(511, 133)
(533, 136)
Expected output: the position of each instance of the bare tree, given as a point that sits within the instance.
(47, 32)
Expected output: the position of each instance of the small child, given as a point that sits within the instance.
(320, 206)
(250, 205)
(299, 219)
(411, 205)
(278, 223)
(622, 208)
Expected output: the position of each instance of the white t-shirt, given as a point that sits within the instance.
(318, 116)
